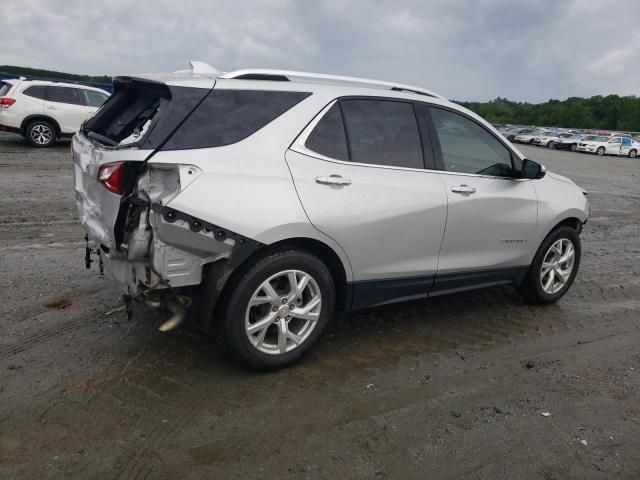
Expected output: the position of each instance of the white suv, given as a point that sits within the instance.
(263, 200)
(42, 111)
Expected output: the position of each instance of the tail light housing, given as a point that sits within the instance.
(6, 102)
(112, 176)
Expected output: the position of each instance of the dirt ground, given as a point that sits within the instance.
(452, 387)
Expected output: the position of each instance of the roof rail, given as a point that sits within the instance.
(324, 78)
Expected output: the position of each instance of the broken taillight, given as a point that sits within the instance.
(6, 102)
(111, 175)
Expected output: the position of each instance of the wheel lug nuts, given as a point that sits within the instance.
(288, 317)
(292, 306)
(274, 309)
(284, 300)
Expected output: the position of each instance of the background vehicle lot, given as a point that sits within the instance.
(430, 389)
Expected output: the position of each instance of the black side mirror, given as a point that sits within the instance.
(532, 170)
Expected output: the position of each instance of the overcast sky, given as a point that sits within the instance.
(462, 49)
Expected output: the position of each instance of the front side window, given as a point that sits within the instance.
(93, 98)
(615, 140)
(328, 137)
(382, 132)
(468, 148)
(64, 95)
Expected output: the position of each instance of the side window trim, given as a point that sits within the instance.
(516, 163)
(346, 130)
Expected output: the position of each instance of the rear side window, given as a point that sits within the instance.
(37, 91)
(64, 95)
(328, 137)
(93, 98)
(4, 88)
(383, 132)
(229, 116)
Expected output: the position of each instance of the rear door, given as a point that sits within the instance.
(492, 216)
(66, 106)
(359, 171)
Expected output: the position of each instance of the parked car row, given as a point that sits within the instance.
(602, 143)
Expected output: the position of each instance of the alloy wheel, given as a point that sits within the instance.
(557, 266)
(282, 312)
(41, 134)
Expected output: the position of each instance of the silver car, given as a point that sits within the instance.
(258, 202)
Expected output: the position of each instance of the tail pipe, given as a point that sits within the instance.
(178, 306)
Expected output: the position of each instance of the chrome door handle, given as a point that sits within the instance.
(463, 189)
(333, 180)
(51, 107)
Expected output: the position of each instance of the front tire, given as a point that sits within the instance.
(551, 144)
(277, 308)
(40, 133)
(554, 267)
(600, 151)
(574, 147)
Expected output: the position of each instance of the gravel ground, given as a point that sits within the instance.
(452, 387)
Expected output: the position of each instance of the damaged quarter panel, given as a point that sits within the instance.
(98, 207)
(268, 212)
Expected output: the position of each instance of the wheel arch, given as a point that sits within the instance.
(30, 118)
(219, 277)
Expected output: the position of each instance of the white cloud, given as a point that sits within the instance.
(471, 49)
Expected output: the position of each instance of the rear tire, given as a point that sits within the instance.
(262, 295)
(600, 151)
(633, 153)
(40, 133)
(553, 269)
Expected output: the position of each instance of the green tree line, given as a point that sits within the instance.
(603, 113)
(38, 72)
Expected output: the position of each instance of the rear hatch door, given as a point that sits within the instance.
(130, 127)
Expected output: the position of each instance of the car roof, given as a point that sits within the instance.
(202, 75)
(56, 84)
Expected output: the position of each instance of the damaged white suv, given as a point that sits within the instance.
(261, 201)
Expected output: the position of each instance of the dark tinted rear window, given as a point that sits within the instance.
(4, 88)
(228, 116)
(383, 132)
(64, 95)
(328, 137)
(37, 91)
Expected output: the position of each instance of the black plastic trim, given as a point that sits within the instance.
(372, 293)
(241, 250)
(453, 282)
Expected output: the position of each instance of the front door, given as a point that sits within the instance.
(373, 196)
(612, 147)
(492, 216)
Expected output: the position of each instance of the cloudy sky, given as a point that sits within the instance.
(463, 49)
